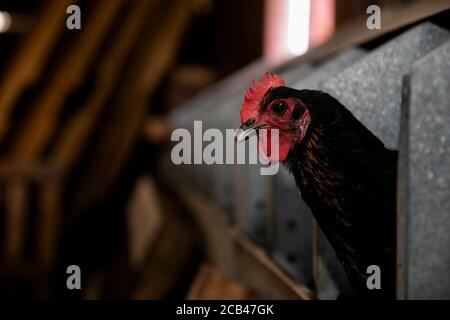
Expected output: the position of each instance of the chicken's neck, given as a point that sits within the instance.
(312, 165)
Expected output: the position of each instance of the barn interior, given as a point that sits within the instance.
(92, 206)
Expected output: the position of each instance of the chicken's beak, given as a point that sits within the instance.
(243, 133)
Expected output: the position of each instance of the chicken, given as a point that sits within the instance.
(344, 174)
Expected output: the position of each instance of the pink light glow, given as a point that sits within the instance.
(322, 21)
(285, 31)
(275, 31)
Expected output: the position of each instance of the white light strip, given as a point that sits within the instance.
(5, 21)
(298, 26)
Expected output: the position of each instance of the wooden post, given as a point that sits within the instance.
(41, 123)
(27, 64)
(16, 209)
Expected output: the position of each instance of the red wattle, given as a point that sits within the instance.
(267, 151)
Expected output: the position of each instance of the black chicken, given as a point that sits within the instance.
(344, 173)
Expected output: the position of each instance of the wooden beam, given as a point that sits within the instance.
(41, 123)
(32, 171)
(27, 64)
(123, 127)
(75, 135)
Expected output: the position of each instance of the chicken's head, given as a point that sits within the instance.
(269, 105)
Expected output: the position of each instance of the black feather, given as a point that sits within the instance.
(348, 179)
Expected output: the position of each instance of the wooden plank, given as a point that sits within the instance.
(27, 64)
(249, 264)
(144, 221)
(48, 222)
(211, 284)
(17, 178)
(228, 248)
(26, 170)
(40, 124)
(165, 265)
(16, 209)
(74, 137)
(123, 128)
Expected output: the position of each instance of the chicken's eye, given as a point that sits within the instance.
(279, 108)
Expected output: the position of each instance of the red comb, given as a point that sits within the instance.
(256, 92)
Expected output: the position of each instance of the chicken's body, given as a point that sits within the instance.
(348, 179)
(343, 172)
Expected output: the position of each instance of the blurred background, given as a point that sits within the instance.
(85, 123)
